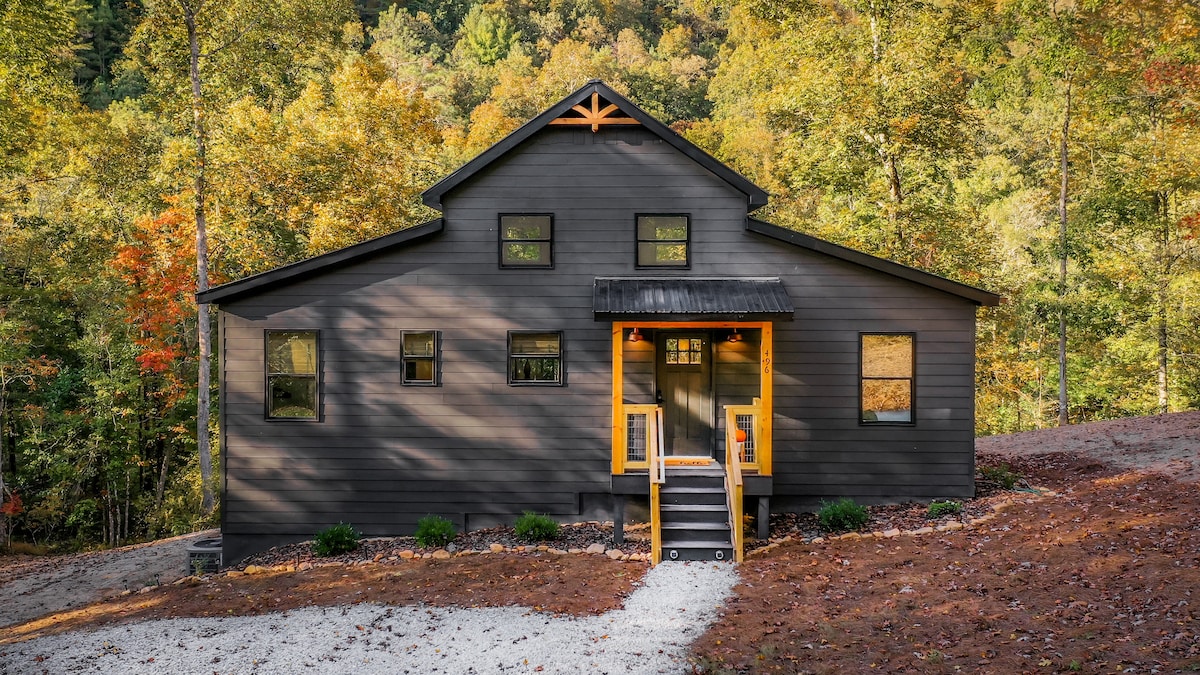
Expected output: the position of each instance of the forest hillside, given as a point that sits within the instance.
(1047, 150)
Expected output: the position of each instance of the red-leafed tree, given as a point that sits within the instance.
(158, 269)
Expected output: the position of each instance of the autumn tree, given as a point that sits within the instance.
(865, 105)
(230, 50)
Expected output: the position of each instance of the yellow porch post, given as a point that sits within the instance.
(618, 398)
(766, 355)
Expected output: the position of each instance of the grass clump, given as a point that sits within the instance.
(536, 527)
(844, 515)
(336, 540)
(1000, 475)
(434, 531)
(947, 508)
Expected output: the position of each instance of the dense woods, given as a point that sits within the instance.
(1048, 150)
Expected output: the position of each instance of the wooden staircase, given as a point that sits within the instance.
(694, 514)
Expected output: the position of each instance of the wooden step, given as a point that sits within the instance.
(692, 495)
(694, 513)
(696, 551)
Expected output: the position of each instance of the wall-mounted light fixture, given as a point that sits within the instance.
(734, 336)
(635, 336)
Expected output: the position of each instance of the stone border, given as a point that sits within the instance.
(950, 526)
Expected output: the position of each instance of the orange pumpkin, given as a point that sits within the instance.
(740, 436)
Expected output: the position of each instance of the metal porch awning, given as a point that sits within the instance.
(691, 299)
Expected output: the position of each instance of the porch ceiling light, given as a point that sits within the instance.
(734, 336)
(635, 336)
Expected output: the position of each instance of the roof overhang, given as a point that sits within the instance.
(321, 264)
(691, 299)
(971, 293)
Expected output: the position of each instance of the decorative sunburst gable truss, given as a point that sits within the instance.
(601, 112)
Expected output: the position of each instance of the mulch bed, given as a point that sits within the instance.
(387, 550)
(1102, 577)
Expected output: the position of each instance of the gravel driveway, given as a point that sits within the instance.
(42, 586)
(674, 605)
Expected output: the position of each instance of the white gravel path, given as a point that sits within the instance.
(674, 605)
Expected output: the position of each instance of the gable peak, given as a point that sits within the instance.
(595, 112)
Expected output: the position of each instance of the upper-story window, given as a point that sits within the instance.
(663, 240)
(887, 378)
(420, 357)
(526, 240)
(292, 374)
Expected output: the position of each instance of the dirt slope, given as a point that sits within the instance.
(1163, 444)
(32, 587)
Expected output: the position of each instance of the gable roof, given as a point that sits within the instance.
(281, 276)
(975, 295)
(756, 197)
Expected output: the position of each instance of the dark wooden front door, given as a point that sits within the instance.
(684, 365)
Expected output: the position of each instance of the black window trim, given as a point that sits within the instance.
(562, 359)
(912, 381)
(502, 241)
(267, 374)
(436, 358)
(637, 241)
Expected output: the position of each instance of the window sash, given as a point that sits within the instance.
(535, 358)
(526, 240)
(887, 385)
(420, 356)
(663, 240)
(292, 390)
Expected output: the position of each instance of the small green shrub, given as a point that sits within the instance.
(534, 527)
(947, 508)
(336, 540)
(434, 531)
(1001, 475)
(844, 515)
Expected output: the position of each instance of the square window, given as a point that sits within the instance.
(535, 358)
(887, 384)
(526, 240)
(663, 241)
(420, 358)
(292, 374)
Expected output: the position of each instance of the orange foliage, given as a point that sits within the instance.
(159, 269)
(13, 506)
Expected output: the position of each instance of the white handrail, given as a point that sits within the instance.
(658, 460)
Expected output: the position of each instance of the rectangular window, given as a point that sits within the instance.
(526, 240)
(887, 378)
(419, 360)
(535, 358)
(292, 374)
(662, 241)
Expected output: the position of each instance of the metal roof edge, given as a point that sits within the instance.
(975, 295)
(318, 264)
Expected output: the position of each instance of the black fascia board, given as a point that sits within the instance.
(975, 295)
(667, 317)
(311, 267)
(756, 197)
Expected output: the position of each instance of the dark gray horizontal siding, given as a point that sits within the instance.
(385, 455)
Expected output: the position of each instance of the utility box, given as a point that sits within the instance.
(204, 556)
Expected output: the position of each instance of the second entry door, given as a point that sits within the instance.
(685, 391)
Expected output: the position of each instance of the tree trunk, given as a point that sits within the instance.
(1064, 164)
(203, 380)
(3, 465)
(161, 487)
(1161, 298)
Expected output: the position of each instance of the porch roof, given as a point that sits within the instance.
(691, 299)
